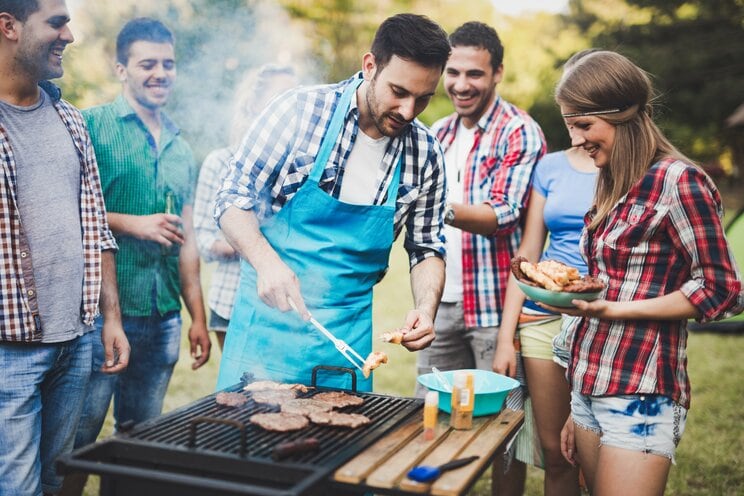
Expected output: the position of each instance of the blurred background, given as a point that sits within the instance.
(694, 50)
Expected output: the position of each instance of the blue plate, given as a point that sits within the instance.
(555, 298)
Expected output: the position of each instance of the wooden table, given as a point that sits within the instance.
(382, 467)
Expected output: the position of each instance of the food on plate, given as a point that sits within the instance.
(394, 337)
(338, 419)
(230, 399)
(305, 406)
(266, 385)
(273, 396)
(280, 422)
(554, 276)
(339, 399)
(374, 360)
(289, 448)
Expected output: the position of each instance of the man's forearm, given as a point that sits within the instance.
(477, 219)
(241, 230)
(427, 284)
(109, 296)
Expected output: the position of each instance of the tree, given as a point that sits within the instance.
(695, 51)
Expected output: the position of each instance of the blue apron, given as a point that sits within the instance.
(338, 251)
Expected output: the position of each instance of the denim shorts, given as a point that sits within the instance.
(217, 323)
(41, 396)
(641, 422)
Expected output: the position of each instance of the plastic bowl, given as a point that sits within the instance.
(555, 298)
(491, 390)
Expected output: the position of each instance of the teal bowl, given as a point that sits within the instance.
(491, 390)
(555, 298)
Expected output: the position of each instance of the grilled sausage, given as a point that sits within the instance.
(284, 450)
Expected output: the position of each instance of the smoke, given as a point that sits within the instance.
(214, 60)
(217, 42)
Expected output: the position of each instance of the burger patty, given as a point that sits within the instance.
(337, 419)
(273, 396)
(230, 399)
(305, 406)
(280, 422)
(339, 399)
(268, 385)
(586, 284)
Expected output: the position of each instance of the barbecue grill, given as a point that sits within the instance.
(206, 448)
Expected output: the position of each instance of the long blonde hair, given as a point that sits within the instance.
(604, 80)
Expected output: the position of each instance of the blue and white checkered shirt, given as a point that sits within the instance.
(279, 150)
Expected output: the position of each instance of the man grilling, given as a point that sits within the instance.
(319, 189)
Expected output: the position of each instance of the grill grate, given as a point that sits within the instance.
(336, 443)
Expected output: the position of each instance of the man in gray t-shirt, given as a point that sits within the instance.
(57, 267)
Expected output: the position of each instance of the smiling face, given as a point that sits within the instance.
(148, 75)
(594, 134)
(42, 39)
(394, 95)
(470, 82)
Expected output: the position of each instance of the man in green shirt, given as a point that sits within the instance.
(146, 169)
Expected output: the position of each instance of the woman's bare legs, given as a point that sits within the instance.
(551, 399)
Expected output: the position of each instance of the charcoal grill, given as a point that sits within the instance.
(205, 448)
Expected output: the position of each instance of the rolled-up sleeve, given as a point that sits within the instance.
(715, 286)
(425, 227)
(258, 162)
(514, 161)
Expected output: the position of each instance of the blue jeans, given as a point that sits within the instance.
(139, 391)
(41, 397)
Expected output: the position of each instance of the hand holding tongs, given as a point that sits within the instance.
(347, 351)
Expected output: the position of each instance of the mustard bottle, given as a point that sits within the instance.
(463, 395)
(431, 409)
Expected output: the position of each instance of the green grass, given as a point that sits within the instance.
(709, 459)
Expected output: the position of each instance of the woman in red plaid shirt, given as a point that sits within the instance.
(654, 237)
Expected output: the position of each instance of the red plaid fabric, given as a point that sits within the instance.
(19, 316)
(664, 235)
(508, 144)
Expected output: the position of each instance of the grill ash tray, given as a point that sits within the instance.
(204, 446)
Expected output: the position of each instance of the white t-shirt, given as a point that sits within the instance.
(455, 163)
(362, 167)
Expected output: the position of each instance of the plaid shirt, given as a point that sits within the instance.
(508, 144)
(664, 235)
(226, 275)
(278, 152)
(19, 313)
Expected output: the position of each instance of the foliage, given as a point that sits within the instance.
(695, 51)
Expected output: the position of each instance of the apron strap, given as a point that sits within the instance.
(334, 129)
(329, 139)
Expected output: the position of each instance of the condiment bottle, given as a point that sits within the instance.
(462, 401)
(431, 408)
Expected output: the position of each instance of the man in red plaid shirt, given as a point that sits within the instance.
(491, 148)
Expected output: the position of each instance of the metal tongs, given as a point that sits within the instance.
(347, 351)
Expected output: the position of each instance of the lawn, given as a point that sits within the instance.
(709, 459)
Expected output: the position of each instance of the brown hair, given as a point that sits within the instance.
(602, 81)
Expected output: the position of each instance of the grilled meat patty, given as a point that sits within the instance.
(280, 422)
(273, 396)
(305, 406)
(230, 399)
(339, 399)
(338, 419)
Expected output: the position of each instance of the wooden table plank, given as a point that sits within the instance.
(448, 450)
(358, 468)
(486, 444)
(384, 465)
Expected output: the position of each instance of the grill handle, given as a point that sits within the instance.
(212, 420)
(347, 370)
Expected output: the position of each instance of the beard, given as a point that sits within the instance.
(381, 119)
